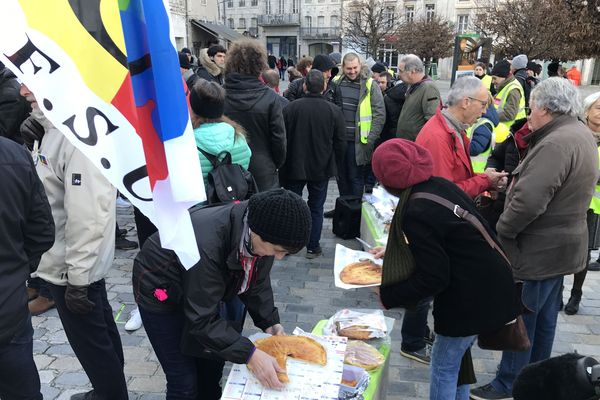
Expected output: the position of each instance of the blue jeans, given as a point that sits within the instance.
(188, 378)
(446, 357)
(543, 298)
(414, 326)
(19, 379)
(351, 177)
(317, 194)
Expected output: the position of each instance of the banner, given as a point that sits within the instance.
(106, 73)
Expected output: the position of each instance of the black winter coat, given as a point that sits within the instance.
(394, 100)
(217, 277)
(315, 137)
(295, 91)
(14, 109)
(203, 73)
(471, 283)
(257, 109)
(26, 232)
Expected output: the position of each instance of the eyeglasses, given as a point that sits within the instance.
(484, 103)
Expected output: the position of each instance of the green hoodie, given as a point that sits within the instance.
(217, 137)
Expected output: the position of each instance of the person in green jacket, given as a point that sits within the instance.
(213, 131)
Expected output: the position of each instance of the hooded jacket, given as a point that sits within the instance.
(26, 232)
(198, 291)
(216, 138)
(207, 69)
(543, 227)
(14, 109)
(83, 208)
(257, 109)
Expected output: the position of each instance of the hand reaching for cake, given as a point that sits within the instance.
(265, 368)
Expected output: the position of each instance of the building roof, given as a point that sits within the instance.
(220, 31)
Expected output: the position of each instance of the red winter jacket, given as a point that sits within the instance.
(450, 158)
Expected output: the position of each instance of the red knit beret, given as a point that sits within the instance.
(400, 163)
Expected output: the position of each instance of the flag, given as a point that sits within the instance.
(106, 73)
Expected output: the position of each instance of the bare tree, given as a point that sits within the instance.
(367, 23)
(542, 29)
(429, 38)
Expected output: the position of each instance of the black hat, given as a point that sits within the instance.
(378, 68)
(280, 217)
(322, 63)
(501, 69)
(553, 68)
(186, 50)
(184, 61)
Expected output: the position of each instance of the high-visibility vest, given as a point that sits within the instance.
(487, 81)
(503, 129)
(479, 161)
(365, 112)
(595, 204)
(391, 72)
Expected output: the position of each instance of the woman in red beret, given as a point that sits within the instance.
(442, 256)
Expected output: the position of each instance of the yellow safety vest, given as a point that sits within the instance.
(391, 72)
(479, 161)
(365, 112)
(487, 81)
(503, 129)
(595, 204)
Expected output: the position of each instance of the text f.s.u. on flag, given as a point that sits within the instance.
(106, 73)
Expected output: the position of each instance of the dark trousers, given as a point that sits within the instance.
(414, 326)
(95, 340)
(188, 378)
(317, 194)
(145, 228)
(19, 379)
(351, 177)
(41, 286)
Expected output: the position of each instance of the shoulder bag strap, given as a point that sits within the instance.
(214, 160)
(462, 214)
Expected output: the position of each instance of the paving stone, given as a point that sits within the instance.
(46, 376)
(153, 384)
(49, 392)
(66, 364)
(42, 360)
(73, 379)
(58, 349)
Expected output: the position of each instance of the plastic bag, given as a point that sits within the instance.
(354, 324)
(363, 355)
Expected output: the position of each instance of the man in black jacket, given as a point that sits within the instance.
(14, 109)
(211, 64)
(26, 232)
(322, 63)
(315, 134)
(181, 308)
(257, 109)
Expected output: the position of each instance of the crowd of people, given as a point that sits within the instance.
(498, 195)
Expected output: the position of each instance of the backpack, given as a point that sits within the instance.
(227, 182)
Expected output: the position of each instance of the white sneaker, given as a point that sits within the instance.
(135, 320)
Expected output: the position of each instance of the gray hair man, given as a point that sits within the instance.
(444, 135)
(422, 97)
(543, 227)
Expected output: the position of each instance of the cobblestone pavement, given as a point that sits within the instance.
(305, 294)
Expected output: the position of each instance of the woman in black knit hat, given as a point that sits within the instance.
(181, 309)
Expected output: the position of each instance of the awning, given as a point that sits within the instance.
(220, 31)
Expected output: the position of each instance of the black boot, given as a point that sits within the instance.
(572, 306)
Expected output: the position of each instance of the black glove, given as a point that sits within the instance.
(31, 130)
(76, 299)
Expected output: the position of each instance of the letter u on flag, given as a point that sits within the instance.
(106, 73)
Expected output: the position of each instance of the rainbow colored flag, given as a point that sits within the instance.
(106, 73)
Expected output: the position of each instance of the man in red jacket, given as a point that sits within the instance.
(444, 136)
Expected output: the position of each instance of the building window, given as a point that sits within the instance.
(308, 21)
(242, 3)
(389, 17)
(409, 13)
(229, 3)
(254, 3)
(320, 21)
(280, 6)
(254, 23)
(333, 21)
(295, 6)
(463, 23)
(230, 23)
(242, 23)
(307, 1)
(268, 6)
(429, 12)
(203, 2)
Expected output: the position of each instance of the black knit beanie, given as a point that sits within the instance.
(280, 217)
(501, 69)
